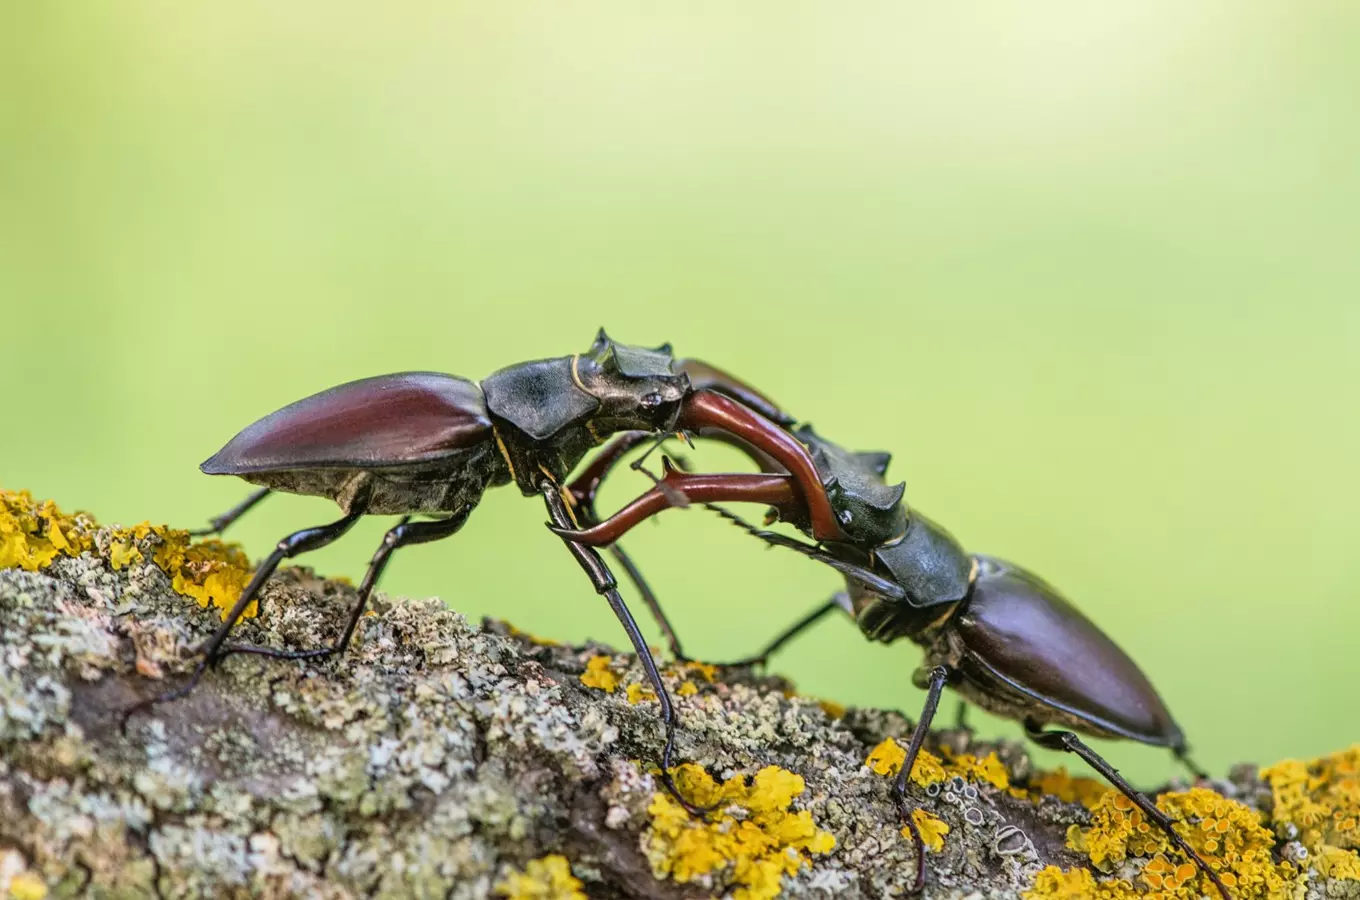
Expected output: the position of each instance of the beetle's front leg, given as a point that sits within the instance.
(603, 581)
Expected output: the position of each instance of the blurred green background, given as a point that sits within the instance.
(1089, 272)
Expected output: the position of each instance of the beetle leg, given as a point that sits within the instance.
(649, 598)
(605, 585)
(219, 524)
(1182, 754)
(787, 635)
(1069, 742)
(939, 676)
(706, 409)
(584, 489)
(400, 535)
(869, 579)
(296, 543)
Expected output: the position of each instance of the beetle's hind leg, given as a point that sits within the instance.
(1182, 754)
(294, 544)
(403, 533)
(1069, 742)
(219, 524)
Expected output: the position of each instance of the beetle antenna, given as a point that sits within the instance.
(875, 582)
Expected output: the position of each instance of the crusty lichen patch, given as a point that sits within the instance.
(747, 846)
(888, 756)
(1229, 836)
(16, 881)
(35, 533)
(598, 674)
(547, 878)
(1317, 803)
(1067, 788)
(932, 829)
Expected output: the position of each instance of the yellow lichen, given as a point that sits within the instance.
(514, 632)
(548, 878)
(833, 709)
(749, 852)
(687, 689)
(637, 693)
(26, 886)
(932, 830)
(33, 534)
(1228, 835)
(1075, 884)
(1321, 799)
(703, 670)
(212, 572)
(1067, 788)
(988, 769)
(888, 756)
(598, 675)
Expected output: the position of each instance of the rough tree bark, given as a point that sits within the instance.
(440, 758)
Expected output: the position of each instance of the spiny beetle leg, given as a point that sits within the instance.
(650, 599)
(788, 634)
(219, 524)
(583, 491)
(1069, 742)
(939, 676)
(403, 533)
(1182, 755)
(296, 543)
(605, 585)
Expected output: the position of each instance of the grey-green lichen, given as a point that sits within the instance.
(438, 758)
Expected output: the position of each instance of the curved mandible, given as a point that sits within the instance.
(706, 409)
(678, 487)
(706, 377)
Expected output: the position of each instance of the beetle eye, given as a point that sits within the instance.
(651, 400)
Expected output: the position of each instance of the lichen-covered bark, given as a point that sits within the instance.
(440, 758)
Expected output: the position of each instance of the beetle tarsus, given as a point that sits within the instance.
(1069, 742)
(166, 697)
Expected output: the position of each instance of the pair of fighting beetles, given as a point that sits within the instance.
(429, 444)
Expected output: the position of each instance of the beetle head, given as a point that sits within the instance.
(869, 510)
(638, 387)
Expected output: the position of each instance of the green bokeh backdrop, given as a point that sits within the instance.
(1090, 272)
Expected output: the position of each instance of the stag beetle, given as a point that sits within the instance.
(424, 443)
(997, 634)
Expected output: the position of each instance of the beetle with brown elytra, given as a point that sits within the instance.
(425, 443)
(997, 634)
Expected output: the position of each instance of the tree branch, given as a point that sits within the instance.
(439, 758)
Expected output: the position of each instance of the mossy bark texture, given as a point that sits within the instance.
(436, 759)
